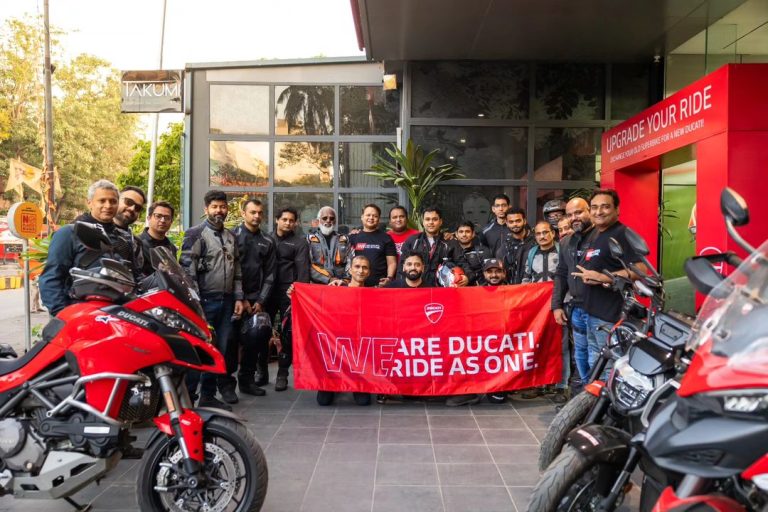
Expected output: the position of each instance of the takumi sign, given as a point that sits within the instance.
(434, 341)
(685, 117)
(152, 91)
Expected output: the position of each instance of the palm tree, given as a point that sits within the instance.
(309, 107)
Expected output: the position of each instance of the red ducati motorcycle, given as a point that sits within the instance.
(112, 363)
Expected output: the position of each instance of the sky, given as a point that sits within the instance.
(128, 33)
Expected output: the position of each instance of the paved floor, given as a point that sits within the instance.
(413, 456)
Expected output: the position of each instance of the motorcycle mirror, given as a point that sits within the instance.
(92, 235)
(703, 276)
(615, 247)
(636, 242)
(734, 207)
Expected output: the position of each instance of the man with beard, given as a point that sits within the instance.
(258, 263)
(66, 251)
(568, 293)
(160, 217)
(129, 208)
(398, 228)
(495, 230)
(473, 252)
(292, 267)
(603, 305)
(375, 245)
(564, 228)
(493, 275)
(515, 244)
(432, 248)
(413, 272)
(210, 256)
(328, 250)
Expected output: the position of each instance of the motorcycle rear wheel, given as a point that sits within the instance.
(569, 417)
(234, 464)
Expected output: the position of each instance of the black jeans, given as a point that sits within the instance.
(254, 349)
(279, 303)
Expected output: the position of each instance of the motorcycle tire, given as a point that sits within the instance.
(233, 460)
(573, 414)
(572, 483)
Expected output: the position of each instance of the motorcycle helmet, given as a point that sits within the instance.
(448, 273)
(256, 325)
(553, 211)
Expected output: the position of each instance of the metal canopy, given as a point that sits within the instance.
(555, 30)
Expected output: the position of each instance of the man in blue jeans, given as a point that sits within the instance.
(209, 254)
(602, 305)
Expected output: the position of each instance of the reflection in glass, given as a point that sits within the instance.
(472, 203)
(630, 85)
(240, 109)
(235, 200)
(369, 110)
(480, 153)
(303, 164)
(307, 204)
(304, 110)
(569, 91)
(470, 89)
(238, 163)
(351, 207)
(355, 159)
(567, 154)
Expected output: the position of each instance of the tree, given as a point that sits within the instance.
(167, 166)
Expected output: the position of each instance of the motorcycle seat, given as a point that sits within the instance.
(49, 332)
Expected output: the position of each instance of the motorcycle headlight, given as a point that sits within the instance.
(175, 321)
(628, 388)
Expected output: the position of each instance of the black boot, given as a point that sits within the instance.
(249, 387)
(262, 377)
(281, 382)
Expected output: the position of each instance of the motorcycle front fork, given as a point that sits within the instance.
(175, 407)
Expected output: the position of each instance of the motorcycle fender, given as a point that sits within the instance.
(669, 502)
(606, 444)
(192, 422)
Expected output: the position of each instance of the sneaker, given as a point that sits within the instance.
(497, 398)
(213, 402)
(530, 393)
(560, 396)
(362, 398)
(458, 400)
(281, 382)
(228, 395)
(249, 387)
(325, 398)
(381, 399)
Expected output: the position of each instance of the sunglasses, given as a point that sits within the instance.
(130, 203)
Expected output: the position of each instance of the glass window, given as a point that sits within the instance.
(304, 110)
(470, 89)
(240, 109)
(307, 204)
(630, 84)
(472, 203)
(566, 154)
(304, 164)
(351, 207)
(356, 158)
(369, 110)
(481, 153)
(544, 195)
(570, 91)
(238, 163)
(235, 199)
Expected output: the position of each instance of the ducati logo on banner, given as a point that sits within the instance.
(434, 312)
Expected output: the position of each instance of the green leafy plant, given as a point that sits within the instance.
(412, 172)
(38, 250)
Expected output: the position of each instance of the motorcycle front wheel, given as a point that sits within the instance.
(235, 473)
(573, 483)
(573, 414)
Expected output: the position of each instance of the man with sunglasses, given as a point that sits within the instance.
(154, 235)
(328, 250)
(129, 208)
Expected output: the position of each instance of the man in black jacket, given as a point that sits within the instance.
(497, 228)
(514, 245)
(473, 252)
(160, 218)
(292, 267)
(258, 263)
(432, 248)
(132, 200)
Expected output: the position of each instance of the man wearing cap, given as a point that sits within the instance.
(494, 275)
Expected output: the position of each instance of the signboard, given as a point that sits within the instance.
(25, 220)
(152, 91)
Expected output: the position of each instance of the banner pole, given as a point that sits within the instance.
(27, 314)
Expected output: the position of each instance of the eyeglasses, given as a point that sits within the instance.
(130, 203)
(543, 233)
(329, 217)
(160, 216)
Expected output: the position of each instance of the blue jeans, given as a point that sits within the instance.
(218, 313)
(597, 338)
(580, 345)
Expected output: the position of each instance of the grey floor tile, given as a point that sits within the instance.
(506, 436)
(540, 433)
(355, 421)
(519, 474)
(506, 421)
(515, 454)
(353, 435)
(443, 410)
(538, 420)
(494, 409)
(337, 472)
(472, 499)
(292, 471)
(458, 453)
(417, 408)
(469, 474)
(260, 419)
(402, 473)
(264, 435)
(300, 435)
(125, 495)
(404, 421)
(404, 436)
(338, 497)
(349, 452)
(357, 410)
(285, 495)
(308, 420)
(422, 453)
(293, 452)
(456, 436)
(407, 498)
(467, 421)
(520, 496)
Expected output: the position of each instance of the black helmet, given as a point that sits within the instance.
(257, 324)
(554, 205)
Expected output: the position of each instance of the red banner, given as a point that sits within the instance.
(427, 341)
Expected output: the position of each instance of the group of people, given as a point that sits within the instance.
(245, 276)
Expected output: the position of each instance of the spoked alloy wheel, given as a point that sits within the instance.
(234, 473)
